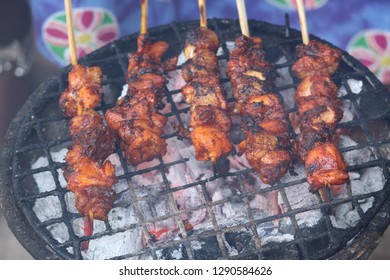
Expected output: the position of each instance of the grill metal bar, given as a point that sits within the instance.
(283, 39)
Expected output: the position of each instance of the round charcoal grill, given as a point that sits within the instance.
(220, 212)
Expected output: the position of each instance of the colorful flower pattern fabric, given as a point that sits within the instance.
(292, 4)
(360, 27)
(372, 48)
(93, 28)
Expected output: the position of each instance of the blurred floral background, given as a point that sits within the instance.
(360, 27)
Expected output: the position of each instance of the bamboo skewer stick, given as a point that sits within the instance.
(69, 24)
(243, 17)
(202, 11)
(302, 22)
(144, 17)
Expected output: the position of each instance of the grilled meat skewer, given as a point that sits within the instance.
(88, 174)
(319, 111)
(266, 143)
(210, 121)
(135, 118)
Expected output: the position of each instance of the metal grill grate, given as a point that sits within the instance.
(39, 130)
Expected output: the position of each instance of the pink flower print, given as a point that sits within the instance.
(292, 4)
(372, 48)
(93, 28)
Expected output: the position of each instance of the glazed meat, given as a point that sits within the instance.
(139, 127)
(266, 154)
(210, 143)
(148, 57)
(200, 38)
(89, 133)
(263, 118)
(316, 58)
(204, 63)
(210, 121)
(203, 92)
(319, 112)
(83, 92)
(246, 86)
(135, 119)
(325, 166)
(88, 174)
(96, 200)
(211, 116)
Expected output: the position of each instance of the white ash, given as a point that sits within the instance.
(45, 178)
(357, 156)
(283, 77)
(349, 111)
(367, 181)
(47, 208)
(272, 234)
(109, 246)
(299, 197)
(124, 91)
(355, 86)
(196, 245)
(59, 232)
(308, 218)
(231, 250)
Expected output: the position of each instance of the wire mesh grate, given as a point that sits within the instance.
(41, 131)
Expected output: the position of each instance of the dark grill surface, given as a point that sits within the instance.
(39, 130)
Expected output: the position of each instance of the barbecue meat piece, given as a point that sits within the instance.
(83, 92)
(261, 70)
(316, 58)
(86, 173)
(311, 137)
(94, 139)
(145, 147)
(316, 86)
(135, 119)
(133, 110)
(140, 128)
(264, 107)
(248, 48)
(316, 97)
(204, 63)
(134, 96)
(148, 81)
(205, 91)
(325, 166)
(200, 38)
(210, 143)
(314, 112)
(266, 155)
(148, 57)
(246, 86)
(95, 200)
(211, 116)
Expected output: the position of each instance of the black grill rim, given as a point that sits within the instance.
(41, 249)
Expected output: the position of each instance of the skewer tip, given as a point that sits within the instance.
(71, 37)
(202, 11)
(144, 17)
(303, 22)
(243, 18)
